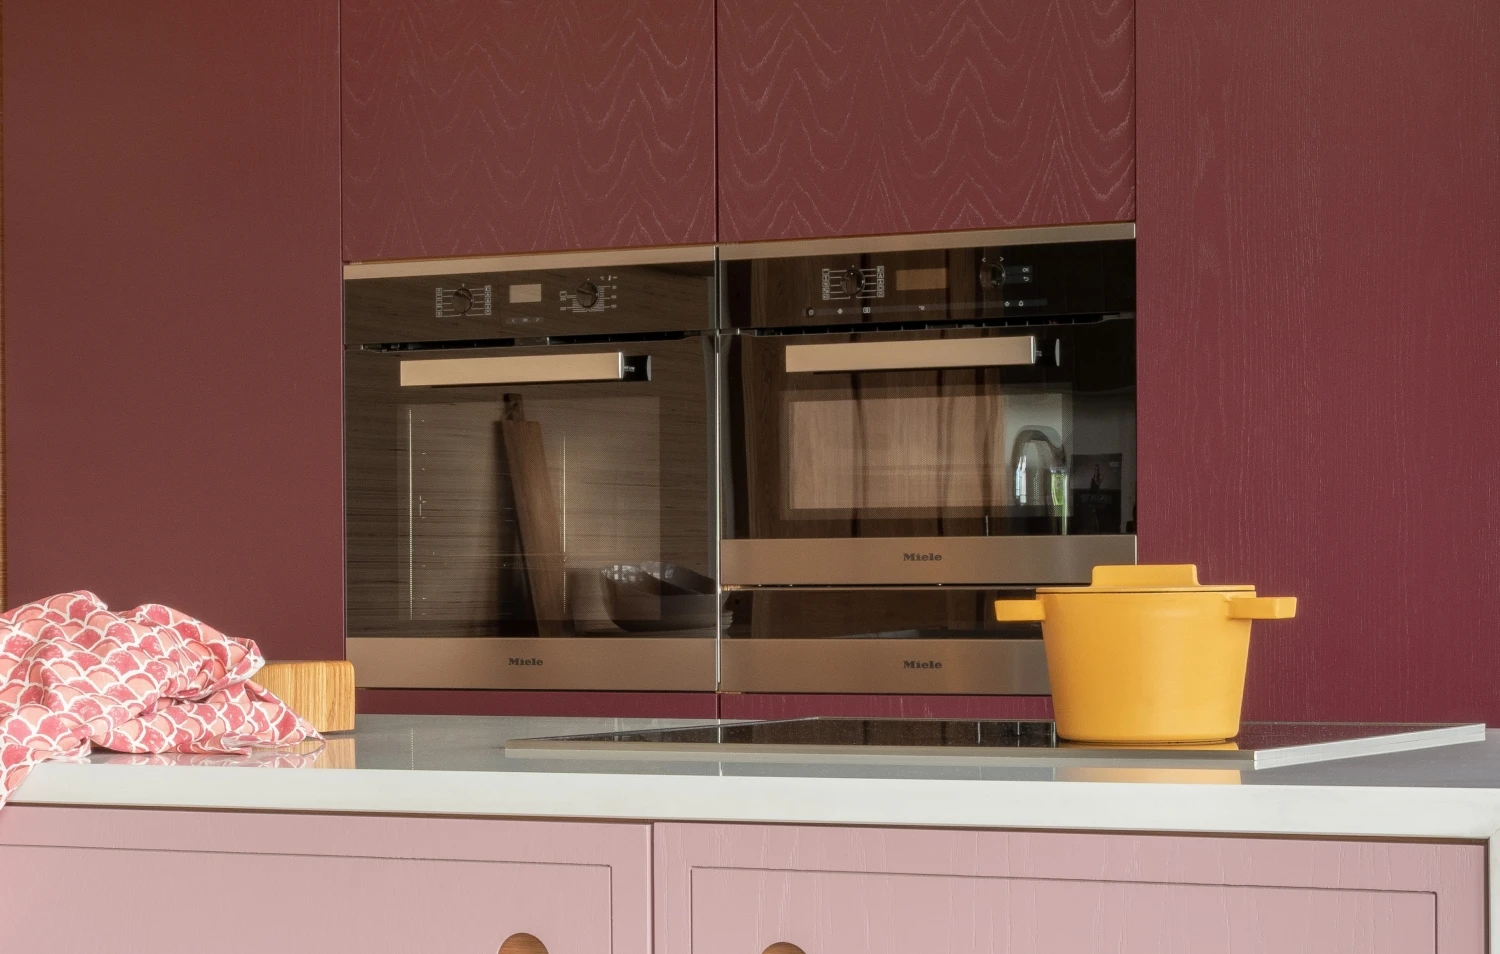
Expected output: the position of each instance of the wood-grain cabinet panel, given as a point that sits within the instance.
(300, 904)
(394, 883)
(923, 115)
(175, 167)
(306, 884)
(496, 126)
(744, 888)
(844, 913)
(1317, 339)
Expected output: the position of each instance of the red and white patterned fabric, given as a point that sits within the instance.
(74, 675)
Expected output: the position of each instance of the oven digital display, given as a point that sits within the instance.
(921, 279)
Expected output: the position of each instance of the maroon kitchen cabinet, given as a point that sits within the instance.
(923, 115)
(1319, 286)
(172, 310)
(495, 126)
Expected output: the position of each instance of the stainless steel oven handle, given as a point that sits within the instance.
(523, 369)
(911, 355)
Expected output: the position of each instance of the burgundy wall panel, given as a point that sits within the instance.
(172, 309)
(1319, 276)
(922, 115)
(491, 126)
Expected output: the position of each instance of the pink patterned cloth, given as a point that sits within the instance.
(74, 675)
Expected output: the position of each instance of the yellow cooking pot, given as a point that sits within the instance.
(1146, 654)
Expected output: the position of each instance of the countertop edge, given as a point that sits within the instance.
(1310, 810)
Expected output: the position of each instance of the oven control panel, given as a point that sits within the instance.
(844, 284)
(599, 300)
(596, 293)
(464, 302)
(1001, 283)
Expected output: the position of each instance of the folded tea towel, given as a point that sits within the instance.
(75, 675)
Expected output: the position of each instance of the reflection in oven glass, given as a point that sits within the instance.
(1037, 460)
(556, 522)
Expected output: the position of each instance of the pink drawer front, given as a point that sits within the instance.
(166, 882)
(726, 889)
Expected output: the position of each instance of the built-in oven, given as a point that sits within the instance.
(530, 456)
(914, 427)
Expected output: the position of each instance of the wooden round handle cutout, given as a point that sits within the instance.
(782, 947)
(522, 944)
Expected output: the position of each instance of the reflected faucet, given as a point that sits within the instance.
(1044, 483)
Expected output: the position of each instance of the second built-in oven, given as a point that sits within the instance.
(912, 430)
(530, 474)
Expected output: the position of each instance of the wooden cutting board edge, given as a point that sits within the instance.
(322, 692)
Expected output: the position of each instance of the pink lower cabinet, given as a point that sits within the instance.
(133, 882)
(743, 889)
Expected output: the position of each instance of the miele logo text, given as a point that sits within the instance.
(518, 661)
(921, 557)
(921, 664)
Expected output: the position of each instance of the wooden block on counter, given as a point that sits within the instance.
(320, 692)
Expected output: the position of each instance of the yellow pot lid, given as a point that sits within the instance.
(1147, 578)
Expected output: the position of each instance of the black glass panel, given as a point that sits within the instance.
(854, 732)
(965, 733)
(1011, 283)
(571, 302)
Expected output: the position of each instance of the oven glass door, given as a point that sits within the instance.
(869, 446)
(556, 500)
(1041, 441)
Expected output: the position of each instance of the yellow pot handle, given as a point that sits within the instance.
(1018, 611)
(1262, 607)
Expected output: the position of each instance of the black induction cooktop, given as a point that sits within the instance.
(1259, 744)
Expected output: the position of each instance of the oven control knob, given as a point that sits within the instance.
(856, 279)
(587, 295)
(463, 300)
(993, 274)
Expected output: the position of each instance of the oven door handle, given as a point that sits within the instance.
(911, 355)
(601, 366)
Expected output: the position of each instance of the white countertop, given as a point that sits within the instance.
(457, 766)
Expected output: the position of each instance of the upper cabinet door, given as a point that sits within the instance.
(923, 115)
(494, 126)
(171, 208)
